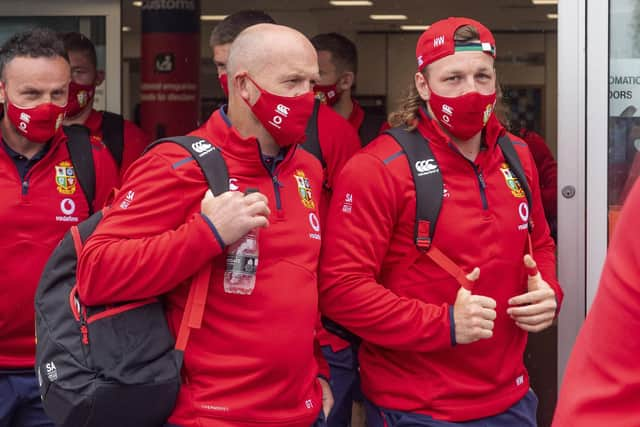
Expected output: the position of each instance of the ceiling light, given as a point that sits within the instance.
(414, 27)
(388, 17)
(137, 3)
(539, 2)
(552, 15)
(212, 17)
(126, 29)
(351, 3)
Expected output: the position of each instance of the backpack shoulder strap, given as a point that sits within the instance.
(113, 135)
(312, 140)
(214, 168)
(208, 157)
(511, 156)
(428, 182)
(370, 127)
(81, 153)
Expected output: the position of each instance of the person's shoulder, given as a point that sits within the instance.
(132, 129)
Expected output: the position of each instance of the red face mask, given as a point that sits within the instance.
(79, 97)
(327, 94)
(463, 116)
(285, 118)
(38, 124)
(224, 83)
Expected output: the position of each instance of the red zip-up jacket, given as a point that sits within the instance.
(35, 213)
(601, 385)
(547, 171)
(135, 140)
(339, 141)
(376, 283)
(253, 361)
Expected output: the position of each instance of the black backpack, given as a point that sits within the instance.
(117, 365)
(429, 189)
(80, 151)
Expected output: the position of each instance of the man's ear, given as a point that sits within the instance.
(422, 86)
(3, 92)
(346, 81)
(99, 77)
(242, 86)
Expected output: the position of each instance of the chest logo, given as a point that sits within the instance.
(66, 178)
(304, 189)
(512, 181)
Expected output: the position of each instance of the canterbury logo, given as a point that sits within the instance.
(202, 147)
(438, 41)
(426, 166)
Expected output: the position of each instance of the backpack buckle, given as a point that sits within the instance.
(423, 238)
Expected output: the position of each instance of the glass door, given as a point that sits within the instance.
(99, 20)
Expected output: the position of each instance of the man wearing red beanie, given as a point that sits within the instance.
(443, 314)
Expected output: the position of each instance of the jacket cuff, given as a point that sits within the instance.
(214, 230)
(452, 326)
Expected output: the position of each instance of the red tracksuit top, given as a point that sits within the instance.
(355, 120)
(135, 140)
(35, 213)
(374, 281)
(601, 385)
(253, 361)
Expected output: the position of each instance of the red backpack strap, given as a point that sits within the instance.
(77, 239)
(194, 308)
(450, 267)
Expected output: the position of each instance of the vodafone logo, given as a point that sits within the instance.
(315, 225)
(314, 221)
(67, 206)
(233, 184)
(523, 211)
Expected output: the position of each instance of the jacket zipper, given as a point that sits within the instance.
(274, 178)
(482, 184)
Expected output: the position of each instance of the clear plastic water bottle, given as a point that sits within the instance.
(242, 263)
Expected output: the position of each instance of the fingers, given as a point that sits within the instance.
(531, 266)
(534, 328)
(541, 318)
(258, 207)
(533, 297)
(474, 275)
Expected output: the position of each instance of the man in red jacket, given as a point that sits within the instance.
(601, 385)
(85, 77)
(253, 362)
(337, 139)
(41, 198)
(225, 32)
(434, 352)
(338, 64)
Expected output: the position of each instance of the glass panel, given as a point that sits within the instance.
(93, 27)
(624, 103)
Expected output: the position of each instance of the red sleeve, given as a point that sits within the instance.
(338, 140)
(147, 243)
(107, 175)
(601, 386)
(361, 221)
(543, 246)
(135, 141)
(547, 172)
